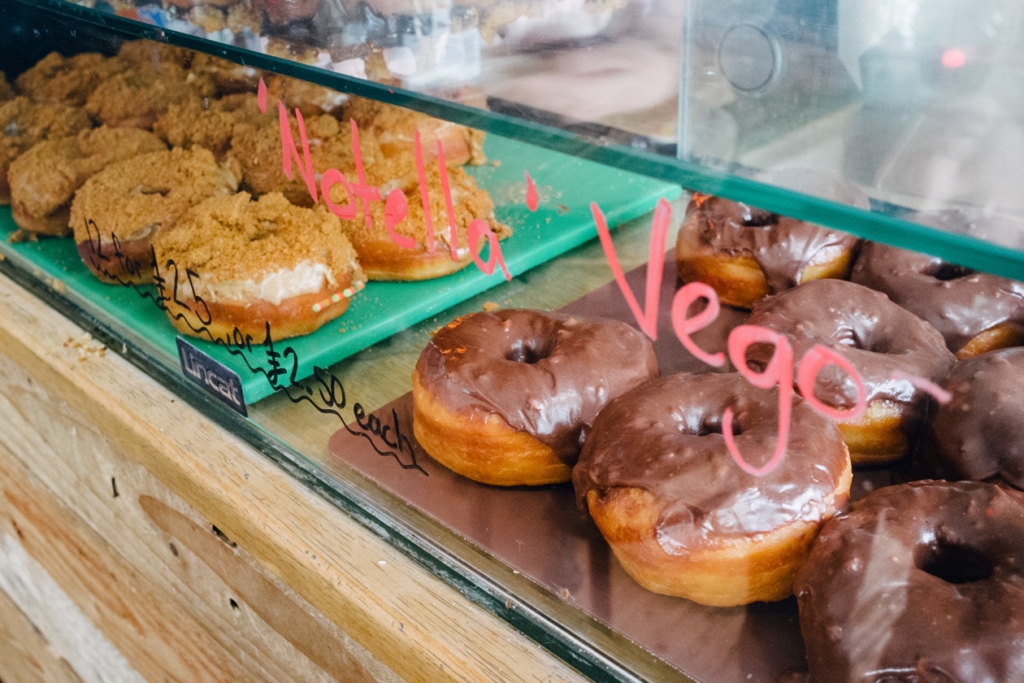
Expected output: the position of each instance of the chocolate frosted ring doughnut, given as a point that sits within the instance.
(745, 253)
(975, 312)
(681, 516)
(917, 582)
(890, 348)
(979, 433)
(507, 398)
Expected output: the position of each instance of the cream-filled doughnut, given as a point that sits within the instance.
(245, 267)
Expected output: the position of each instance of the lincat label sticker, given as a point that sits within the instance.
(211, 375)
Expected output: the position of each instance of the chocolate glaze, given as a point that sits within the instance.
(546, 374)
(958, 301)
(979, 433)
(783, 247)
(665, 437)
(874, 334)
(915, 583)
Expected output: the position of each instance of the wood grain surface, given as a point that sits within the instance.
(195, 556)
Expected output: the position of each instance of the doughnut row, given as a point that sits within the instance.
(920, 579)
(389, 41)
(121, 152)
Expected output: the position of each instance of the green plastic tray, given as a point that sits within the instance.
(566, 187)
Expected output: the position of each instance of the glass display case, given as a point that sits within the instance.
(584, 125)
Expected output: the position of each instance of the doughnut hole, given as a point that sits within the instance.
(530, 351)
(946, 272)
(863, 337)
(712, 424)
(953, 562)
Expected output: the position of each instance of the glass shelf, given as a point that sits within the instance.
(716, 94)
(706, 95)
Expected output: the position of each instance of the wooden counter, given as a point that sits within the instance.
(139, 540)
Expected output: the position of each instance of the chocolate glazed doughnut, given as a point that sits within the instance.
(507, 398)
(887, 345)
(979, 433)
(919, 582)
(681, 517)
(975, 312)
(746, 253)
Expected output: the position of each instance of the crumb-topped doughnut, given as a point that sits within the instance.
(409, 250)
(207, 122)
(281, 14)
(508, 397)
(889, 347)
(146, 85)
(116, 212)
(23, 123)
(979, 433)
(57, 79)
(396, 128)
(975, 312)
(682, 517)
(244, 266)
(44, 179)
(257, 148)
(746, 253)
(309, 98)
(918, 582)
